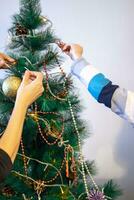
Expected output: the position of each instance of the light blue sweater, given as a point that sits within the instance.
(120, 101)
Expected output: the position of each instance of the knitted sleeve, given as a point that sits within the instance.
(119, 100)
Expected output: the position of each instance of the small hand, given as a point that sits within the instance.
(75, 51)
(5, 61)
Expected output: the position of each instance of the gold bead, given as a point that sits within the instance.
(34, 116)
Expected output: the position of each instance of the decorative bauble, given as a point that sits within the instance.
(10, 86)
(96, 195)
(43, 19)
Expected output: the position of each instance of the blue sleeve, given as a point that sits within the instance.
(119, 100)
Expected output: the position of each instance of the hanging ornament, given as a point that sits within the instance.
(20, 30)
(62, 94)
(54, 132)
(43, 19)
(96, 195)
(36, 115)
(73, 169)
(71, 173)
(67, 159)
(10, 86)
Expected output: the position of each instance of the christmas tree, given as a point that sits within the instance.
(49, 164)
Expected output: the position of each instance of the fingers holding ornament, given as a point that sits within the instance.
(6, 61)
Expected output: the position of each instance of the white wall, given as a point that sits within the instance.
(105, 28)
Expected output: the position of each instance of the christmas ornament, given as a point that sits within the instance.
(71, 173)
(62, 94)
(20, 30)
(54, 129)
(11, 85)
(43, 19)
(96, 195)
(36, 115)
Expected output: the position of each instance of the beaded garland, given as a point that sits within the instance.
(39, 185)
(83, 163)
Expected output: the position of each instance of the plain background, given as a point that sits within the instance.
(105, 28)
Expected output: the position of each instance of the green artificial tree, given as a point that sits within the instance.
(49, 164)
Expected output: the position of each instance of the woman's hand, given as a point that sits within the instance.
(31, 88)
(5, 61)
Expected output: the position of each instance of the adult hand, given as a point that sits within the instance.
(5, 61)
(31, 88)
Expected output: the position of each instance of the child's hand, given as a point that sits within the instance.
(75, 51)
(5, 61)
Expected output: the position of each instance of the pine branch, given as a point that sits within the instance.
(29, 16)
(112, 190)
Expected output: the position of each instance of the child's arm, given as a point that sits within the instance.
(119, 100)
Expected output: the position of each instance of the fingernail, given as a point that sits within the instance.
(12, 60)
